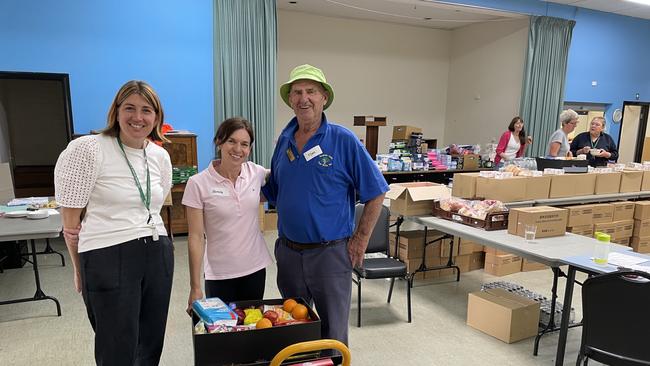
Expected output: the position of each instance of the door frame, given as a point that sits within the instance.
(640, 136)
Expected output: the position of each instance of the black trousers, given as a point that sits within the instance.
(250, 287)
(126, 288)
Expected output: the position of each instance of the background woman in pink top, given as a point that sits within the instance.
(512, 143)
(222, 205)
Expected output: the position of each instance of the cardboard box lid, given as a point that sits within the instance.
(537, 209)
(418, 191)
(504, 298)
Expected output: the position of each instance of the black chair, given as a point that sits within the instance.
(375, 268)
(615, 320)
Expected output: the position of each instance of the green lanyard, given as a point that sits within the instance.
(594, 143)
(146, 199)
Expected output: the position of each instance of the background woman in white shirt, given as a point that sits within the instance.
(123, 260)
(512, 143)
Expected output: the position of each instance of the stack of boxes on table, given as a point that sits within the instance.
(628, 223)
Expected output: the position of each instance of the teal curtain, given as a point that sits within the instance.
(544, 75)
(244, 68)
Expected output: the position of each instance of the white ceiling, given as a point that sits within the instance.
(437, 14)
(411, 12)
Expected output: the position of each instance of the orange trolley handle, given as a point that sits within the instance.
(317, 345)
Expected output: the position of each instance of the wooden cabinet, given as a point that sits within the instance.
(182, 151)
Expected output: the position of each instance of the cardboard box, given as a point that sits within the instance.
(270, 221)
(606, 228)
(501, 265)
(602, 212)
(624, 228)
(642, 210)
(464, 185)
(404, 132)
(621, 241)
(444, 249)
(537, 187)
(415, 198)
(235, 347)
(570, 185)
(471, 161)
(503, 315)
(528, 265)
(585, 230)
(631, 180)
(462, 261)
(579, 215)
(411, 244)
(607, 183)
(504, 190)
(494, 251)
(476, 261)
(640, 245)
(645, 182)
(641, 228)
(550, 221)
(468, 247)
(623, 210)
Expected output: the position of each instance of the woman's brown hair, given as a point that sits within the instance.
(144, 90)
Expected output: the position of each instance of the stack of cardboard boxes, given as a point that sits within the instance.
(473, 185)
(468, 256)
(640, 241)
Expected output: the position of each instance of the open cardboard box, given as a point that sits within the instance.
(254, 345)
(415, 198)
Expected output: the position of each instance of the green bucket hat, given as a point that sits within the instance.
(308, 72)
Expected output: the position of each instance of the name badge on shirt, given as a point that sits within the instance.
(220, 192)
(313, 152)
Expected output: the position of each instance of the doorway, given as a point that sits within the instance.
(634, 139)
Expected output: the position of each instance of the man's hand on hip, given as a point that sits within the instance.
(356, 249)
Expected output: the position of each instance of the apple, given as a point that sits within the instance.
(272, 316)
(240, 315)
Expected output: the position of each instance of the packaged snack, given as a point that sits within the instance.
(213, 311)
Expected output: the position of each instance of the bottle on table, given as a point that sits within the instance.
(601, 251)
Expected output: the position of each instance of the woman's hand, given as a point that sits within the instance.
(195, 294)
(604, 154)
(71, 235)
(529, 140)
(584, 150)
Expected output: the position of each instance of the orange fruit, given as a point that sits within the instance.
(289, 304)
(299, 312)
(263, 323)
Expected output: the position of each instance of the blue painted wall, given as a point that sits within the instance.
(103, 44)
(608, 48)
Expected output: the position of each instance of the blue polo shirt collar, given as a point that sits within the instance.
(292, 126)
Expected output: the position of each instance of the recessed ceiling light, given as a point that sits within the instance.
(644, 2)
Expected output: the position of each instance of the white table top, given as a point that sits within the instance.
(26, 229)
(549, 251)
(585, 262)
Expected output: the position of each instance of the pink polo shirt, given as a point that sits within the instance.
(235, 246)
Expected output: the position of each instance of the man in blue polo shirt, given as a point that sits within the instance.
(317, 170)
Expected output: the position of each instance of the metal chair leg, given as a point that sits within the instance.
(390, 290)
(408, 297)
(358, 302)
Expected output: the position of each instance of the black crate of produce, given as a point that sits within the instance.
(255, 346)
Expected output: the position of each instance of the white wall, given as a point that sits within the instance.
(485, 79)
(375, 68)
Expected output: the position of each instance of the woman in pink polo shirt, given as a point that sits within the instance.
(222, 205)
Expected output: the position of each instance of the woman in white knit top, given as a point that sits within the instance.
(122, 257)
